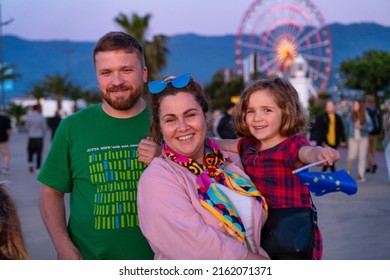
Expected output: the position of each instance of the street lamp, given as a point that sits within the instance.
(2, 23)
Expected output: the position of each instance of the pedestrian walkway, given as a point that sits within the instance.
(357, 227)
(354, 227)
(25, 190)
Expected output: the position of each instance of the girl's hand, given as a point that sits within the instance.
(310, 154)
(329, 154)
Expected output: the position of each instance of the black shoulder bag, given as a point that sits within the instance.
(288, 233)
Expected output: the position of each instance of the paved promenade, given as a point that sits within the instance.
(354, 227)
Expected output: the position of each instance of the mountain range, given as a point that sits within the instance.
(202, 56)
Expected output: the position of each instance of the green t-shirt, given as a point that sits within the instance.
(94, 158)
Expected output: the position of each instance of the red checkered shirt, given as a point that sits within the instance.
(270, 170)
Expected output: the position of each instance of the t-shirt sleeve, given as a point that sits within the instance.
(55, 171)
(294, 144)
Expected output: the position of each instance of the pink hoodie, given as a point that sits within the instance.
(177, 226)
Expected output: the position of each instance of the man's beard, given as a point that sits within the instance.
(123, 102)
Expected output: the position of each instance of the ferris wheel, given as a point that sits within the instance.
(276, 32)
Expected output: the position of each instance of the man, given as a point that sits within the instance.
(94, 158)
(36, 130)
(224, 128)
(5, 133)
(330, 130)
(376, 117)
(54, 122)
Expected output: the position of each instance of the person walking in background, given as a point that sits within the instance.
(36, 129)
(386, 137)
(12, 246)
(358, 126)
(96, 156)
(330, 130)
(54, 122)
(5, 133)
(225, 127)
(376, 118)
(271, 120)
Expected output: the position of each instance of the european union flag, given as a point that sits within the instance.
(321, 183)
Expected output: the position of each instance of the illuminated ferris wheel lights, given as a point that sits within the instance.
(278, 31)
(286, 53)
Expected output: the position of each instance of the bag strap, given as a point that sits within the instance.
(314, 208)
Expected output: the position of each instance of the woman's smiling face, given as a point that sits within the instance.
(183, 125)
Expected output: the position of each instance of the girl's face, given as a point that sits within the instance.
(183, 125)
(264, 118)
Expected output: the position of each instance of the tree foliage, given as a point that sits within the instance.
(221, 92)
(7, 73)
(369, 73)
(17, 111)
(57, 85)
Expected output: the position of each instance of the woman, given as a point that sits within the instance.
(186, 198)
(386, 137)
(359, 124)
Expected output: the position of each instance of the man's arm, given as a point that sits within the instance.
(52, 207)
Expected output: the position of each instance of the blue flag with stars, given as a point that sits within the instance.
(321, 183)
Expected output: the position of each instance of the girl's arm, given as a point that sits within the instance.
(310, 154)
(229, 145)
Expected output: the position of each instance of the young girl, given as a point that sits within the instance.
(11, 240)
(270, 119)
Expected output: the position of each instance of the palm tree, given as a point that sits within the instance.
(137, 26)
(91, 96)
(38, 92)
(155, 51)
(59, 86)
(75, 93)
(17, 111)
(7, 73)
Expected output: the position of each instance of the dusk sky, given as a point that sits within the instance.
(87, 20)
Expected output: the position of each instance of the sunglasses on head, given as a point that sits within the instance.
(156, 87)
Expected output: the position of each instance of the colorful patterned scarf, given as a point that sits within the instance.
(210, 196)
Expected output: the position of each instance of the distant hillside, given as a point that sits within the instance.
(200, 55)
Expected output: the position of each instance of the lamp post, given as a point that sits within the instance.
(2, 23)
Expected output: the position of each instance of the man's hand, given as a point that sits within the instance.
(147, 150)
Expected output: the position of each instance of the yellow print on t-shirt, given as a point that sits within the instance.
(115, 171)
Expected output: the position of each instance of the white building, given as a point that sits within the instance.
(300, 77)
(49, 106)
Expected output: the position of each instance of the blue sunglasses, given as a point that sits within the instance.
(157, 87)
